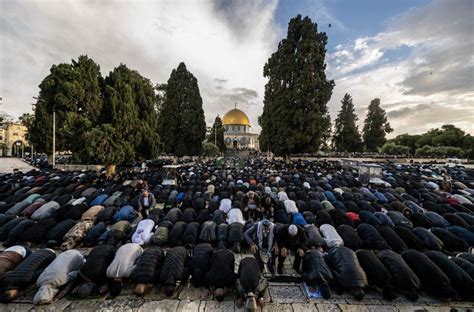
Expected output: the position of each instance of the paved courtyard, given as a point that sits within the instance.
(7, 164)
(281, 296)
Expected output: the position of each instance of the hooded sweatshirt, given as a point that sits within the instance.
(57, 274)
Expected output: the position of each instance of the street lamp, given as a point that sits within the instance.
(17, 147)
(54, 132)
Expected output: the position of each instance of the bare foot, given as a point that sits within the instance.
(238, 303)
(206, 294)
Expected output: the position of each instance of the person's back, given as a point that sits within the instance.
(200, 263)
(221, 273)
(173, 268)
(124, 261)
(249, 274)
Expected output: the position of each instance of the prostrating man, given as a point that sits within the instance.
(26, 273)
(62, 270)
(10, 258)
(93, 274)
(200, 263)
(347, 270)
(122, 266)
(317, 273)
(147, 270)
(174, 269)
(221, 276)
(405, 279)
(250, 284)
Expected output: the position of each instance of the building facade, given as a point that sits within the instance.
(13, 139)
(237, 133)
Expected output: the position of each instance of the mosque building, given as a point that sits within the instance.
(237, 133)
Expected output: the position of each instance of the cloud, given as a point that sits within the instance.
(149, 36)
(431, 86)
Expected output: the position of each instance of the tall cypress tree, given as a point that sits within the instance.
(295, 115)
(128, 120)
(181, 123)
(346, 136)
(376, 126)
(216, 136)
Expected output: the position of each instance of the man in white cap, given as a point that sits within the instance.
(291, 237)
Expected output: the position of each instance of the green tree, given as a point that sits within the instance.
(210, 150)
(130, 108)
(41, 132)
(217, 134)
(406, 140)
(181, 124)
(449, 135)
(73, 92)
(79, 121)
(376, 126)
(160, 91)
(295, 115)
(391, 148)
(346, 136)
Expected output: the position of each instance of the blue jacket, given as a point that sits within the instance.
(298, 219)
(99, 200)
(125, 213)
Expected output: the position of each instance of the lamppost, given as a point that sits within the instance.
(54, 132)
(17, 144)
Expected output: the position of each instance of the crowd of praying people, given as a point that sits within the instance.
(86, 234)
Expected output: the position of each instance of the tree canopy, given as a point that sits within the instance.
(346, 136)
(89, 108)
(217, 134)
(295, 115)
(181, 124)
(376, 126)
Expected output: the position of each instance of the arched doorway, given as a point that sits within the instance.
(18, 148)
(234, 143)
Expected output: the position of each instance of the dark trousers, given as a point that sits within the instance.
(271, 260)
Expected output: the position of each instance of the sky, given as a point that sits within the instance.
(417, 56)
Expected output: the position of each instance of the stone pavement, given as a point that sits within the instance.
(7, 164)
(281, 296)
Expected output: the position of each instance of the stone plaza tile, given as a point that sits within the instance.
(15, 307)
(166, 305)
(59, 305)
(353, 308)
(191, 306)
(286, 294)
(426, 299)
(214, 306)
(84, 305)
(365, 301)
(381, 308)
(189, 292)
(121, 303)
(277, 307)
(328, 307)
(410, 308)
(442, 308)
(304, 307)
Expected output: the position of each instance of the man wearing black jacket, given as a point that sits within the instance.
(290, 238)
(221, 275)
(174, 269)
(92, 274)
(250, 283)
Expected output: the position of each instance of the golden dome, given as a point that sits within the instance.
(235, 117)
